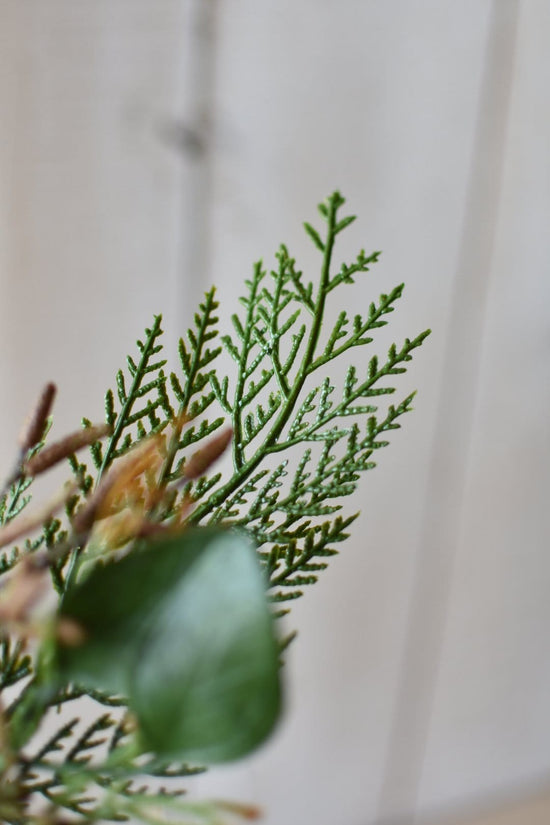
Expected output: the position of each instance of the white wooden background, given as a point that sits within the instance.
(149, 148)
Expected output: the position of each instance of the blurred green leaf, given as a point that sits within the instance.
(183, 630)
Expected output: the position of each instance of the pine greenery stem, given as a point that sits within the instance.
(128, 399)
(192, 366)
(243, 469)
(245, 334)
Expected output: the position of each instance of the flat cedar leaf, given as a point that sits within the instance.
(315, 237)
(182, 629)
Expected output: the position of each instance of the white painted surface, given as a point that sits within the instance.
(380, 100)
(93, 194)
(491, 706)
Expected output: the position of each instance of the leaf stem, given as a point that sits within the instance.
(131, 397)
(238, 447)
(173, 444)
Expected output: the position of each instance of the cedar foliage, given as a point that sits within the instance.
(299, 442)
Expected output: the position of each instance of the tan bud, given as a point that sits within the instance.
(56, 452)
(33, 429)
(202, 460)
(69, 632)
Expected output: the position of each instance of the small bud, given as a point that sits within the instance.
(69, 632)
(34, 427)
(203, 459)
(54, 453)
(240, 809)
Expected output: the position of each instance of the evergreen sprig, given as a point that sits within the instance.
(300, 441)
(80, 769)
(279, 349)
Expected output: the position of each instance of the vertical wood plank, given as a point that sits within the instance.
(194, 137)
(380, 102)
(92, 192)
(452, 441)
(491, 720)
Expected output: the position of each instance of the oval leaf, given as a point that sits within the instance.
(183, 630)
